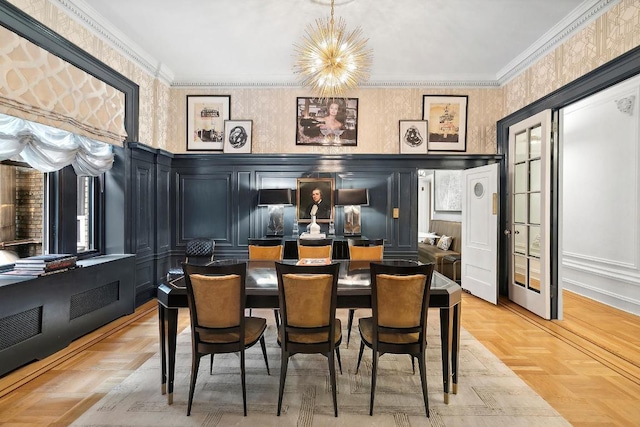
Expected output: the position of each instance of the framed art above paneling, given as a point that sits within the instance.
(413, 136)
(205, 121)
(447, 116)
(327, 122)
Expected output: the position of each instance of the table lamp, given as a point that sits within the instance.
(352, 199)
(275, 199)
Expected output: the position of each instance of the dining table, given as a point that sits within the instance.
(354, 291)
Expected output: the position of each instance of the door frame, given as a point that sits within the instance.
(619, 69)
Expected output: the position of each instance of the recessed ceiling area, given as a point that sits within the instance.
(414, 42)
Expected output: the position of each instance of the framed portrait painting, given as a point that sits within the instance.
(316, 192)
(205, 121)
(447, 117)
(413, 136)
(237, 136)
(332, 121)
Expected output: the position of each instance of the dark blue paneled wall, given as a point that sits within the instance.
(176, 197)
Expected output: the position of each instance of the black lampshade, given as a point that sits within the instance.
(274, 196)
(352, 196)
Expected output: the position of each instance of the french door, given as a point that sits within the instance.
(529, 202)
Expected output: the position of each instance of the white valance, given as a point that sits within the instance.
(48, 149)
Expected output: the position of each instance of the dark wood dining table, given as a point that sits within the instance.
(354, 291)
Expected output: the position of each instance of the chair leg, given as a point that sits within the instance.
(276, 316)
(374, 370)
(413, 364)
(244, 384)
(349, 324)
(211, 365)
(195, 365)
(360, 355)
(264, 353)
(332, 374)
(284, 361)
(339, 361)
(423, 379)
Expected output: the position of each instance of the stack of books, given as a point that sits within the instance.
(44, 264)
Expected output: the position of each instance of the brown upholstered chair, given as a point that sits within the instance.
(363, 250)
(266, 250)
(216, 297)
(308, 297)
(315, 248)
(400, 304)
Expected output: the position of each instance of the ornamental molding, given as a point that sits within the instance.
(85, 15)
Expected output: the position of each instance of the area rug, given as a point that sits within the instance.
(489, 393)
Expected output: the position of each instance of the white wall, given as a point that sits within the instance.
(600, 195)
(426, 204)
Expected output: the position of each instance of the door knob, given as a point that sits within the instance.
(507, 232)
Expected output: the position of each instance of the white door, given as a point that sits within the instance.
(480, 232)
(529, 201)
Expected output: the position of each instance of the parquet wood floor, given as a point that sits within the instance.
(586, 366)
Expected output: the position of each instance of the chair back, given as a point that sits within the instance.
(199, 251)
(366, 249)
(308, 299)
(216, 297)
(315, 248)
(400, 302)
(264, 253)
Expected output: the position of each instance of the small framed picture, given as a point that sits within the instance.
(447, 116)
(413, 136)
(237, 136)
(205, 121)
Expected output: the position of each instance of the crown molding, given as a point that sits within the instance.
(562, 31)
(92, 20)
(87, 16)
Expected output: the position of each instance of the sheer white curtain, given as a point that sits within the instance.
(48, 149)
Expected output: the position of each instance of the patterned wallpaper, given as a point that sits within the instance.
(163, 109)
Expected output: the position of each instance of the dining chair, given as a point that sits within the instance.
(268, 249)
(399, 304)
(315, 248)
(308, 299)
(363, 250)
(197, 251)
(265, 249)
(216, 298)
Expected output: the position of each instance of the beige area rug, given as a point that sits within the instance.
(489, 393)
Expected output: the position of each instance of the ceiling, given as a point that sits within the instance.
(414, 42)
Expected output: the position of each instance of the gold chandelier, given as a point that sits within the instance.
(332, 60)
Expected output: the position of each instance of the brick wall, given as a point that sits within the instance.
(29, 208)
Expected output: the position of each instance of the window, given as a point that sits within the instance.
(54, 212)
(86, 213)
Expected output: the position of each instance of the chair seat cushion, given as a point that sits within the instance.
(314, 338)
(253, 329)
(366, 332)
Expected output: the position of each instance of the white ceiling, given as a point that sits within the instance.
(250, 42)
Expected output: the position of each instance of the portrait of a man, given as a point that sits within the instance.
(315, 198)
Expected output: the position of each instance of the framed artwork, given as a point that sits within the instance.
(205, 121)
(332, 121)
(447, 117)
(237, 136)
(447, 190)
(413, 136)
(315, 192)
